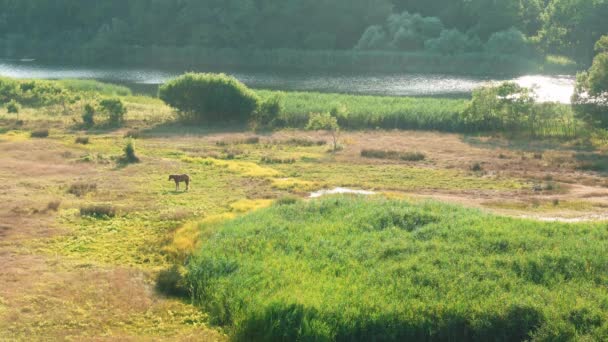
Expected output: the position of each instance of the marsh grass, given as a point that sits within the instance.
(361, 269)
(98, 211)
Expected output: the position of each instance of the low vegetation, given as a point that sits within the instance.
(395, 155)
(82, 140)
(364, 269)
(81, 189)
(40, 133)
(98, 211)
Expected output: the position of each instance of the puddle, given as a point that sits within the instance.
(337, 191)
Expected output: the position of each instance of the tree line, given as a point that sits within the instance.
(566, 27)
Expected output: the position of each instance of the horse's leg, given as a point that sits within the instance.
(176, 185)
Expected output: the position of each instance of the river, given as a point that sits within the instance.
(146, 80)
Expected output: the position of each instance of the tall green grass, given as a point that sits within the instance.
(102, 88)
(370, 112)
(354, 269)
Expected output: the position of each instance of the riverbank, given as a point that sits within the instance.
(192, 57)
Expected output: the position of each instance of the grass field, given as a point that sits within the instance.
(354, 269)
(69, 275)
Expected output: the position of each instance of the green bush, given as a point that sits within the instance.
(88, 117)
(13, 107)
(214, 98)
(115, 109)
(269, 111)
(129, 156)
(170, 282)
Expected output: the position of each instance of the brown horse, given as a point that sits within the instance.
(179, 179)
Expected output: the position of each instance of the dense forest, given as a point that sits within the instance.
(448, 27)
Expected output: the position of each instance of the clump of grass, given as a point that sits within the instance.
(98, 211)
(82, 188)
(40, 133)
(53, 205)
(82, 140)
(170, 282)
(273, 160)
(394, 155)
(394, 266)
(476, 167)
(133, 134)
(287, 200)
(245, 141)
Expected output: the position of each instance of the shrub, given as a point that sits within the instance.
(267, 114)
(13, 107)
(82, 140)
(215, 98)
(129, 153)
(115, 109)
(98, 211)
(80, 189)
(170, 282)
(88, 117)
(40, 133)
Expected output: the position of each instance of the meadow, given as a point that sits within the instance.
(95, 248)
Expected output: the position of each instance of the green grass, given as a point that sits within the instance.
(374, 269)
(365, 112)
(102, 88)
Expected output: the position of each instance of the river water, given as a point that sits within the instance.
(146, 80)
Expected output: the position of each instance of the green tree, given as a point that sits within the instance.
(507, 106)
(590, 99)
(511, 42)
(325, 122)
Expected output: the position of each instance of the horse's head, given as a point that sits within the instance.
(171, 177)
